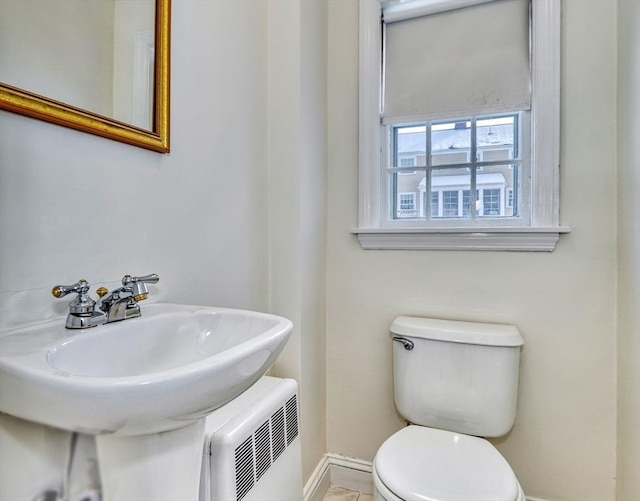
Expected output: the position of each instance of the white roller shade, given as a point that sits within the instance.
(468, 61)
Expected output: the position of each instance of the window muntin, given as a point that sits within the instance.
(464, 172)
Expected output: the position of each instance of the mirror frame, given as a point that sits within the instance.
(33, 105)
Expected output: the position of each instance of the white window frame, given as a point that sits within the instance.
(544, 229)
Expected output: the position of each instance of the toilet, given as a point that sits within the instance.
(454, 382)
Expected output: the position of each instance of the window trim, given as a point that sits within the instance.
(544, 229)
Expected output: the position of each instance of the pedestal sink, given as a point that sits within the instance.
(139, 384)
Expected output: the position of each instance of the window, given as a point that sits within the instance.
(483, 171)
(490, 203)
(407, 201)
(450, 203)
(457, 160)
(435, 203)
(406, 205)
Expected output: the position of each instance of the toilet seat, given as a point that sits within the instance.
(426, 464)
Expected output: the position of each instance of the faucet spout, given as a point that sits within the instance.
(120, 308)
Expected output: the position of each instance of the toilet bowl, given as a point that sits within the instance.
(455, 382)
(426, 464)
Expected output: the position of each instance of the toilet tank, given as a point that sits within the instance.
(456, 376)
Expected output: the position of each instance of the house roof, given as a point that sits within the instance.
(446, 140)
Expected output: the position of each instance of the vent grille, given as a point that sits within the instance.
(255, 455)
(263, 451)
(291, 413)
(244, 468)
(278, 442)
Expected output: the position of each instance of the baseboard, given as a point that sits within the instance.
(341, 471)
(318, 483)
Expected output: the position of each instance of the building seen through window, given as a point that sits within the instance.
(459, 169)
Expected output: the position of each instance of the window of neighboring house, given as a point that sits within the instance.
(407, 201)
(450, 203)
(490, 202)
(435, 203)
(509, 201)
(483, 162)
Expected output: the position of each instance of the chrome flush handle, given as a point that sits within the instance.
(407, 343)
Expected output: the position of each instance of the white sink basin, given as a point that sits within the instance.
(162, 371)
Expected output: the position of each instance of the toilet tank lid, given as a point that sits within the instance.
(456, 331)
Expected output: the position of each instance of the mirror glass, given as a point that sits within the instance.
(95, 57)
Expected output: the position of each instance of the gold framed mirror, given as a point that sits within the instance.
(145, 124)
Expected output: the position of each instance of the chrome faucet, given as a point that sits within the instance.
(120, 304)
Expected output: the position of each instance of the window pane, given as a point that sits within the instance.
(450, 143)
(408, 194)
(495, 138)
(466, 203)
(461, 186)
(450, 203)
(490, 202)
(497, 191)
(450, 189)
(410, 146)
(407, 201)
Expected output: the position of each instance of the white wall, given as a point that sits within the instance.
(74, 205)
(563, 444)
(233, 216)
(297, 206)
(628, 474)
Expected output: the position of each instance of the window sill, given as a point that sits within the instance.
(531, 239)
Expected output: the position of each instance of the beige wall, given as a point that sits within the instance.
(628, 475)
(297, 204)
(563, 444)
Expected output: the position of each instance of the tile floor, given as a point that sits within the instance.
(340, 494)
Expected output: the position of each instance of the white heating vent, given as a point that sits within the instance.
(260, 450)
(252, 449)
